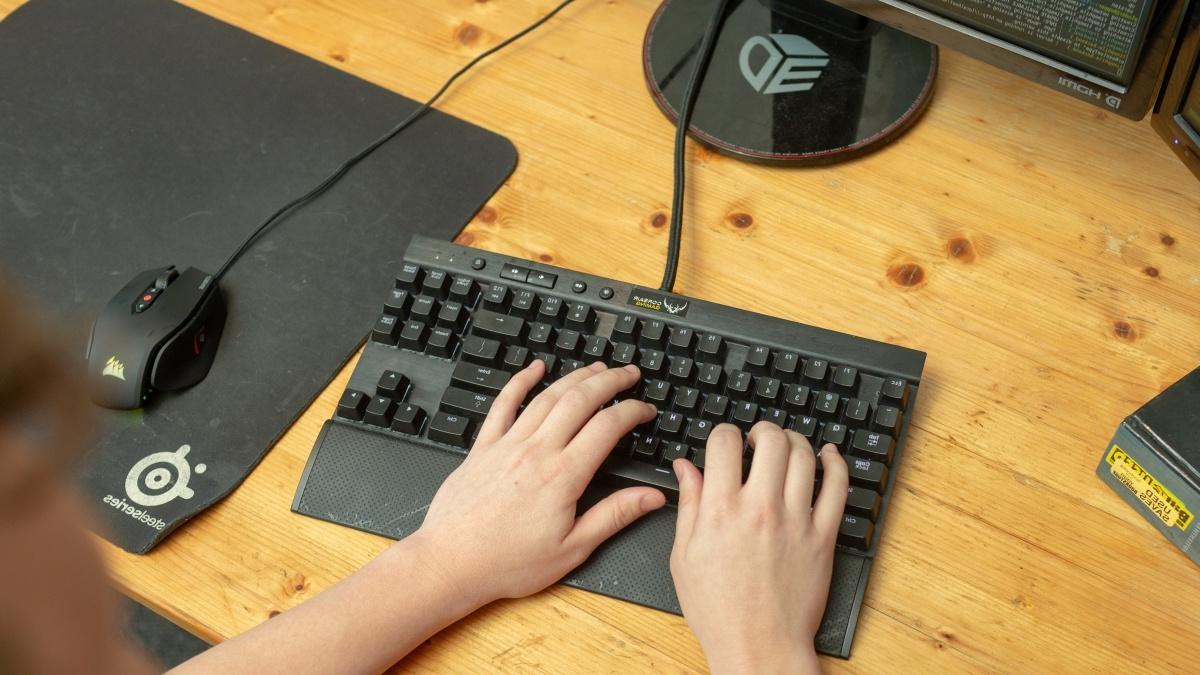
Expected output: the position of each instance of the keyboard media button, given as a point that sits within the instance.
(496, 298)
(514, 272)
(524, 304)
(542, 279)
(551, 311)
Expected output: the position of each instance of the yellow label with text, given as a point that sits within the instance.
(1148, 490)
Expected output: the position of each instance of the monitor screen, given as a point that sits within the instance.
(1191, 105)
(1101, 37)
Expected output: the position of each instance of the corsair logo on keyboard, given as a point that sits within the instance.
(657, 302)
(793, 63)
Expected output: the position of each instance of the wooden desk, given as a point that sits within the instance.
(1045, 254)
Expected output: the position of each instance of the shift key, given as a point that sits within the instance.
(467, 403)
(479, 378)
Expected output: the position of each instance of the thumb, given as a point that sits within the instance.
(690, 485)
(610, 515)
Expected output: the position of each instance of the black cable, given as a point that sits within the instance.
(365, 152)
(681, 129)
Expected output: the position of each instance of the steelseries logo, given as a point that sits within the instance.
(1110, 100)
(793, 63)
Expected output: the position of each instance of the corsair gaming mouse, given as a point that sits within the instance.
(159, 333)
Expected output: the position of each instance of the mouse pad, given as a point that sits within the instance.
(141, 133)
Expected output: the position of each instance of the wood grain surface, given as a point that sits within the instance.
(1044, 253)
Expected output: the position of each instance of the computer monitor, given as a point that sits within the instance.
(1177, 115)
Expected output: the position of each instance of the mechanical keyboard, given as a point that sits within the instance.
(458, 322)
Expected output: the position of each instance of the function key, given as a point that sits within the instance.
(524, 304)
(352, 404)
(581, 317)
(682, 341)
(437, 284)
(551, 311)
(654, 334)
(787, 366)
(894, 392)
(387, 327)
(625, 329)
(408, 419)
(410, 277)
(758, 360)
(815, 371)
(542, 279)
(464, 290)
(392, 384)
(450, 429)
(844, 380)
(379, 411)
(398, 302)
(496, 298)
(711, 349)
(514, 272)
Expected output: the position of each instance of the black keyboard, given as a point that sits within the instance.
(458, 322)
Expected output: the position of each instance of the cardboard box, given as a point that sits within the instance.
(1153, 462)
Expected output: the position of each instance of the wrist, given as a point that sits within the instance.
(428, 564)
(766, 657)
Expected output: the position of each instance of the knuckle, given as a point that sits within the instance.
(574, 397)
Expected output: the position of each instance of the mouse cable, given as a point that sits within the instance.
(341, 171)
(681, 128)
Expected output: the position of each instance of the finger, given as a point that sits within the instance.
(691, 485)
(579, 404)
(504, 409)
(723, 463)
(597, 438)
(801, 473)
(771, 454)
(535, 413)
(609, 516)
(827, 513)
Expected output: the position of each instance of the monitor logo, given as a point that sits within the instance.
(793, 63)
(113, 368)
(161, 477)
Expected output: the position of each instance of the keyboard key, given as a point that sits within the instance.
(352, 404)
(738, 384)
(410, 277)
(681, 342)
(894, 392)
(623, 354)
(867, 474)
(670, 425)
(424, 309)
(758, 360)
(379, 411)
(501, 327)
(855, 532)
(392, 384)
(645, 449)
(551, 362)
(541, 337)
(833, 433)
(413, 336)
(465, 291)
(766, 390)
(657, 393)
(453, 316)
(857, 413)
(795, 398)
(776, 416)
(653, 334)
(698, 457)
(863, 502)
(551, 311)
(745, 414)
(514, 272)
(680, 369)
(436, 284)
(826, 405)
(581, 317)
(568, 365)
(450, 429)
(398, 303)
(467, 403)
(524, 304)
(873, 445)
(629, 473)
(386, 330)
(496, 298)
(568, 343)
(711, 349)
(652, 362)
(625, 329)
(716, 408)
(687, 400)
(815, 371)
(672, 452)
(787, 366)
(479, 378)
(698, 431)
(442, 342)
(515, 358)
(542, 279)
(480, 350)
(805, 425)
(408, 419)
(844, 380)
(596, 348)
(710, 378)
(887, 420)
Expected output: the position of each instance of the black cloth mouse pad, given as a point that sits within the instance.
(140, 133)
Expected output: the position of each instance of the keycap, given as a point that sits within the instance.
(352, 404)
(464, 290)
(468, 403)
(410, 277)
(501, 327)
(737, 386)
(670, 425)
(481, 350)
(672, 452)
(686, 400)
(514, 272)
(787, 366)
(887, 420)
(453, 316)
(844, 380)
(540, 337)
(392, 384)
(542, 279)
(795, 398)
(716, 407)
(868, 474)
(652, 362)
(413, 335)
(698, 431)
(379, 411)
(625, 329)
(623, 354)
(386, 330)
(873, 445)
(645, 449)
(442, 342)
(515, 358)
(551, 362)
(397, 303)
(629, 473)
(894, 392)
(436, 284)
(450, 429)
(581, 317)
(568, 365)
(776, 416)
(657, 393)
(805, 425)
(863, 502)
(855, 532)
(596, 348)
(424, 309)
(826, 405)
(479, 378)
(568, 343)
(551, 311)
(496, 297)
(745, 414)
(698, 457)
(408, 419)
(815, 371)
(682, 341)
(524, 304)
(680, 369)
(833, 433)
(653, 334)
(711, 349)
(856, 413)
(758, 360)
(766, 390)
(710, 378)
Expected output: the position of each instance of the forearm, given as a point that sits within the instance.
(364, 624)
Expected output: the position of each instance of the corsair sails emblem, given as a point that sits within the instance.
(674, 308)
(113, 368)
(793, 63)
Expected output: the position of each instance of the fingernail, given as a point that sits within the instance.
(597, 366)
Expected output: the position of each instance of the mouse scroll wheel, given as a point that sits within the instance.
(165, 279)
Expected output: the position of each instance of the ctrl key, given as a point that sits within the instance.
(856, 532)
(450, 429)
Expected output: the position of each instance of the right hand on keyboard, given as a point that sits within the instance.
(752, 562)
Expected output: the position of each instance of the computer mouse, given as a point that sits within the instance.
(159, 333)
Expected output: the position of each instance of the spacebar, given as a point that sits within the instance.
(622, 473)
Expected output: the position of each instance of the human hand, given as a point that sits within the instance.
(752, 562)
(504, 524)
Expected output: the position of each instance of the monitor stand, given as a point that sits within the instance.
(790, 81)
